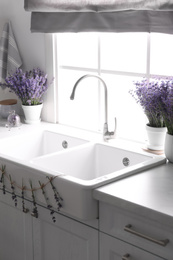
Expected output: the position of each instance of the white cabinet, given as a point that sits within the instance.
(135, 231)
(66, 239)
(24, 237)
(115, 249)
(15, 231)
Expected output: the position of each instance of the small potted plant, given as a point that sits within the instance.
(148, 95)
(29, 86)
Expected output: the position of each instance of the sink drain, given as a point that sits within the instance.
(64, 144)
(126, 161)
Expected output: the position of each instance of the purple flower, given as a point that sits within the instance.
(156, 99)
(166, 104)
(29, 86)
(148, 96)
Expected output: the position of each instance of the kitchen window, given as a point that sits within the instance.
(119, 58)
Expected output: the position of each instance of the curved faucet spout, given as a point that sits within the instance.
(107, 135)
(105, 91)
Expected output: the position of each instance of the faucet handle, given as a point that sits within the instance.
(109, 135)
(113, 134)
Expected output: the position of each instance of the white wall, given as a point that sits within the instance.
(31, 45)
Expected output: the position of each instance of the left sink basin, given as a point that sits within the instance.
(30, 145)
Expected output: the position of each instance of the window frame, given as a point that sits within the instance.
(51, 114)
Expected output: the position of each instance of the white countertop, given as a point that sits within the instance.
(149, 192)
(27, 128)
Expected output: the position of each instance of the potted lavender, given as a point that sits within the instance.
(166, 108)
(29, 86)
(148, 96)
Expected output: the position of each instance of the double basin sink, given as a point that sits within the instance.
(80, 165)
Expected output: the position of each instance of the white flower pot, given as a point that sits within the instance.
(32, 113)
(169, 147)
(156, 137)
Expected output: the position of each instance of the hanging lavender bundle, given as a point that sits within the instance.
(57, 197)
(49, 206)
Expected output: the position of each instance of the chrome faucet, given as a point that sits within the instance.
(106, 134)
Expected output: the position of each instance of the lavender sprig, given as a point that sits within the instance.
(24, 209)
(57, 197)
(2, 178)
(34, 211)
(47, 202)
(14, 197)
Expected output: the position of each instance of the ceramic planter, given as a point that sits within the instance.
(32, 113)
(156, 137)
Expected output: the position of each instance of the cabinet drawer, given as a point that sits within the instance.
(114, 249)
(142, 232)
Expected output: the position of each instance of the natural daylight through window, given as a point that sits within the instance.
(119, 58)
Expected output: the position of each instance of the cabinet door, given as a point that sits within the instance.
(15, 230)
(66, 239)
(115, 249)
(143, 232)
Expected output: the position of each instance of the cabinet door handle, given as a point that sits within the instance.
(129, 229)
(126, 257)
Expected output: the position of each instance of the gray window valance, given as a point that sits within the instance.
(50, 16)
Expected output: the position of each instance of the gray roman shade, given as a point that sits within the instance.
(51, 16)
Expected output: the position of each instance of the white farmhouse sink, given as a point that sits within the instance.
(30, 145)
(78, 169)
(92, 164)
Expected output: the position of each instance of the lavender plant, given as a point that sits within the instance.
(148, 95)
(166, 103)
(29, 86)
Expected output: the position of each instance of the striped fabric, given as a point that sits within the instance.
(10, 58)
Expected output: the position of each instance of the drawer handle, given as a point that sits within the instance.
(126, 257)
(129, 229)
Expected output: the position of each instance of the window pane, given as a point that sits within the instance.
(131, 120)
(81, 112)
(161, 54)
(124, 52)
(78, 50)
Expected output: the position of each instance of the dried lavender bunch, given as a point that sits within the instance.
(24, 209)
(148, 95)
(57, 197)
(29, 86)
(34, 211)
(47, 202)
(14, 197)
(2, 178)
